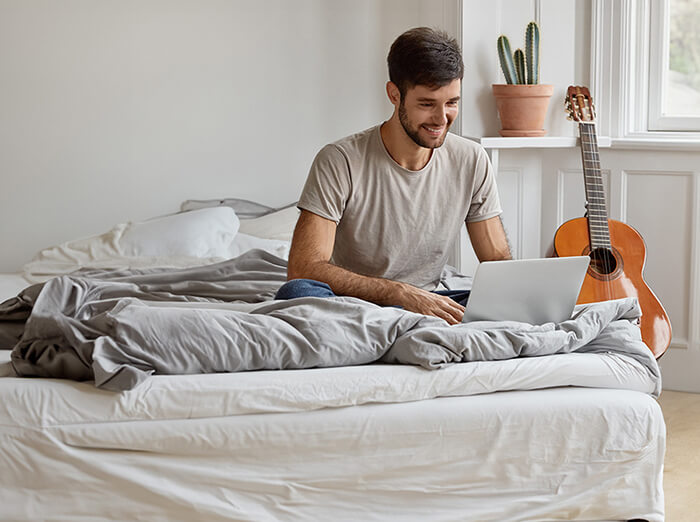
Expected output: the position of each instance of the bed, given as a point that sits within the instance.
(572, 436)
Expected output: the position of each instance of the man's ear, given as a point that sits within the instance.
(392, 91)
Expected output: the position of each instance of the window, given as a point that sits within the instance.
(674, 87)
(646, 71)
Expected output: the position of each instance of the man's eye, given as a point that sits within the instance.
(426, 104)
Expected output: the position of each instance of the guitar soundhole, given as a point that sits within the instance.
(603, 261)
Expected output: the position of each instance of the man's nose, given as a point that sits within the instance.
(440, 115)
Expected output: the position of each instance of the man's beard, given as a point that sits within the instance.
(413, 132)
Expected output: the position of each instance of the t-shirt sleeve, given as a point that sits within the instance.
(328, 185)
(485, 202)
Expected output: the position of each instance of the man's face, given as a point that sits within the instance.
(426, 113)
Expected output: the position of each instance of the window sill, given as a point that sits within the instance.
(656, 142)
(546, 142)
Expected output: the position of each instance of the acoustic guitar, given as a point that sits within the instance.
(617, 250)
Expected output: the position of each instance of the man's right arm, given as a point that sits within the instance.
(309, 258)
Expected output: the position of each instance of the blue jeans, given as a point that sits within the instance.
(310, 288)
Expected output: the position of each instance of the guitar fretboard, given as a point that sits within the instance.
(598, 229)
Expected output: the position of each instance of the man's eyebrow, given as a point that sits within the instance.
(421, 99)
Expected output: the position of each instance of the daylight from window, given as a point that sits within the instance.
(683, 74)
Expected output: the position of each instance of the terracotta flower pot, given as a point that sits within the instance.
(522, 108)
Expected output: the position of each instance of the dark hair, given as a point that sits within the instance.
(424, 56)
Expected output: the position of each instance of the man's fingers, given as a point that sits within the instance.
(455, 310)
(450, 315)
(458, 315)
(428, 303)
(446, 316)
(451, 311)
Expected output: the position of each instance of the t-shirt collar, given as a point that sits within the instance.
(378, 137)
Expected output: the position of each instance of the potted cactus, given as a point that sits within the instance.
(522, 101)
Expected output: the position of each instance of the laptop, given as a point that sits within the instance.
(535, 291)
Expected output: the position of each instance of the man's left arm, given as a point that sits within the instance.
(489, 240)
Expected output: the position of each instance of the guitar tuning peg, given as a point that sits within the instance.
(569, 118)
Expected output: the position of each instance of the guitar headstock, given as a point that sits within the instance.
(579, 104)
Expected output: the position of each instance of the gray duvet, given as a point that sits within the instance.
(120, 326)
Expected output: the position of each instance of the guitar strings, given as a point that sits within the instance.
(607, 261)
(595, 218)
(597, 213)
(598, 226)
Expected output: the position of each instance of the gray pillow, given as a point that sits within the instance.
(243, 208)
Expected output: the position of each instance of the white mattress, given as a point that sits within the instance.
(552, 454)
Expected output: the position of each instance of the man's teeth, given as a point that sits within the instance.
(434, 130)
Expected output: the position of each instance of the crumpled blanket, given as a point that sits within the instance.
(118, 327)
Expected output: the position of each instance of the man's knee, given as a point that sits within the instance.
(304, 288)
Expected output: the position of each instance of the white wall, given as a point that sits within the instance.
(116, 111)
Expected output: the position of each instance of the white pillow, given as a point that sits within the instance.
(243, 242)
(275, 225)
(200, 233)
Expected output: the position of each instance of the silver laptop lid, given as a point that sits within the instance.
(535, 291)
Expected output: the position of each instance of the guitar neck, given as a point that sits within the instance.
(597, 214)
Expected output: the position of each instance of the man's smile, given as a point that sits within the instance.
(435, 131)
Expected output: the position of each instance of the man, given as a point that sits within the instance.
(381, 208)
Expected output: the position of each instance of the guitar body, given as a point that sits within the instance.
(616, 273)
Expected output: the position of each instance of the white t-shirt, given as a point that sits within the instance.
(393, 222)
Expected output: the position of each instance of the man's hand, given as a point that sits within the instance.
(427, 303)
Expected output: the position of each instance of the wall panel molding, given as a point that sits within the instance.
(519, 217)
(695, 264)
(622, 196)
(566, 173)
(561, 176)
(681, 364)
